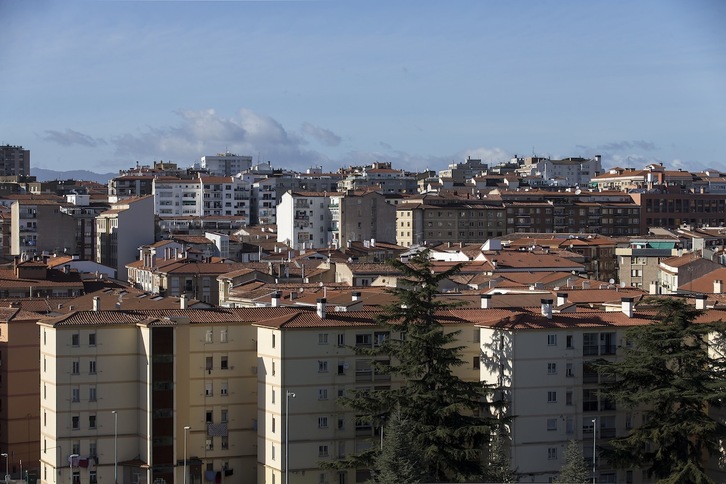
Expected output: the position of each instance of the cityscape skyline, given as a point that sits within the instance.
(100, 85)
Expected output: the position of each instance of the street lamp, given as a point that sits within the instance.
(186, 429)
(287, 436)
(115, 447)
(594, 433)
(5, 454)
(70, 464)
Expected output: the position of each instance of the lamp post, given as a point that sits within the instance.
(5, 454)
(287, 436)
(70, 464)
(186, 429)
(115, 447)
(594, 433)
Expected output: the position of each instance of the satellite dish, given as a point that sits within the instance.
(578, 191)
(622, 284)
(612, 281)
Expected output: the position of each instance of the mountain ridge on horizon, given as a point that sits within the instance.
(43, 174)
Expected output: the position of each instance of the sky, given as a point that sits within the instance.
(101, 85)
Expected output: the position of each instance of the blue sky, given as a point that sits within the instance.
(99, 85)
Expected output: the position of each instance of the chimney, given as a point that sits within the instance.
(547, 308)
(701, 301)
(96, 303)
(355, 296)
(718, 286)
(653, 288)
(321, 308)
(561, 298)
(627, 305)
(275, 299)
(486, 301)
(183, 301)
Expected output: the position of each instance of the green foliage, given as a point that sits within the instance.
(441, 410)
(499, 467)
(400, 460)
(574, 471)
(671, 378)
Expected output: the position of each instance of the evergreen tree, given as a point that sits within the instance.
(674, 376)
(499, 467)
(400, 460)
(442, 410)
(574, 471)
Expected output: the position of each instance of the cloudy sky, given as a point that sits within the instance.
(100, 85)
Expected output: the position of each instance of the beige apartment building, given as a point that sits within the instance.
(159, 371)
(251, 394)
(19, 397)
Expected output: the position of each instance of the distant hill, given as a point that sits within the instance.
(47, 175)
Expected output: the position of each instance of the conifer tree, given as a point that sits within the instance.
(574, 471)
(444, 413)
(675, 377)
(400, 460)
(499, 468)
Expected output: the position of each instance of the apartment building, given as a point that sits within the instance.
(120, 232)
(568, 172)
(147, 395)
(380, 176)
(14, 161)
(306, 363)
(638, 263)
(205, 196)
(542, 362)
(448, 218)
(672, 208)
(19, 397)
(225, 164)
(361, 215)
(305, 220)
(38, 224)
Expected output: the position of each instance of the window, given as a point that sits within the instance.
(76, 448)
(273, 340)
(274, 425)
(552, 340)
(322, 422)
(273, 452)
(209, 338)
(568, 341)
(92, 339)
(209, 416)
(225, 442)
(208, 389)
(224, 415)
(323, 451)
(76, 477)
(92, 367)
(273, 395)
(76, 367)
(342, 367)
(568, 371)
(273, 368)
(568, 398)
(92, 394)
(341, 339)
(224, 363)
(75, 339)
(322, 366)
(210, 443)
(322, 394)
(75, 422)
(223, 336)
(223, 389)
(75, 394)
(92, 477)
(551, 397)
(323, 338)
(551, 424)
(91, 421)
(551, 368)
(92, 448)
(552, 453)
